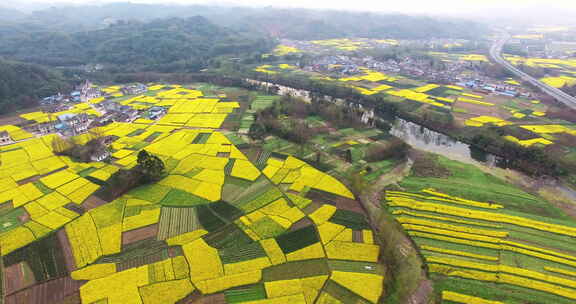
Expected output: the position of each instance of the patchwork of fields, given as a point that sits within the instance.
(522, 121)
(564, 67)
(218, 226)
(344, 45)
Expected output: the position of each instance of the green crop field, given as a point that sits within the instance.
(485, 238)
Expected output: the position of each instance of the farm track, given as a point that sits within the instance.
(371, 202)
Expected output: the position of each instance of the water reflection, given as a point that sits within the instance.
(418, 136)
(428, 140)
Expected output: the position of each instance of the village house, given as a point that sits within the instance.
(102, 120)
(129, 113)
(91, 93)
(5, 138)
(156, 112)
(85, 91)
(134, 89)
(76, 96)
(73, 124)
(42, 128)
(53, 100)
(117, 112)
(100, 155)
(109, 106)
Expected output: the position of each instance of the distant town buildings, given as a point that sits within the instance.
(461, 72)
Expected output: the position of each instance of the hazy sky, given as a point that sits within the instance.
(465, 7)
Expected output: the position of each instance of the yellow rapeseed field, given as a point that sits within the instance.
(200, 161)
(368, 286)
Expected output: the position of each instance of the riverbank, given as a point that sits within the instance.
(464, 176)
(530, 160)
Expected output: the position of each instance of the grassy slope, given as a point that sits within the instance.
(469, 182)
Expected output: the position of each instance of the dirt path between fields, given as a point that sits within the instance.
(374, 194)
(422, 294)
(398, 249)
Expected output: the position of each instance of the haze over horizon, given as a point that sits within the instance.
(532, 10)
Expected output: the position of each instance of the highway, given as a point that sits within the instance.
(496, 54)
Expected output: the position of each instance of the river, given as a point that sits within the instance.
(428, 140)
(419, 136)
(422, 138)
(284, 90)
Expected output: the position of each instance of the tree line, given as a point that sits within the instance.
(22, 84)
(296, 129)
(530, 160)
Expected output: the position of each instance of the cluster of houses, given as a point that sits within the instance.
(449, 72)
(81, 93)
(86, 91)
(464, 73)
(66, 124)
(334, 64)
(461, 72)
(544, 47)
(115, 112)
(488, 86)
(445, 72)
(59, 119)
(134, 89)
(54, 100)
(534, 48)
(561, 49)
(74, 124)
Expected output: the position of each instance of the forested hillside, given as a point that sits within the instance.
(310, 25)
(22, 84)
(162, 45)
(129, 39)
(284, 23)
(133, 35)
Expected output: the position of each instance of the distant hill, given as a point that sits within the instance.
(304, 24)
(22, 84)
(132, 38)
(161, 44)
(172, 38)
(284, 23)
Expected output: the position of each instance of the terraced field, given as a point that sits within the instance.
(492, 246)
(217, 227)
